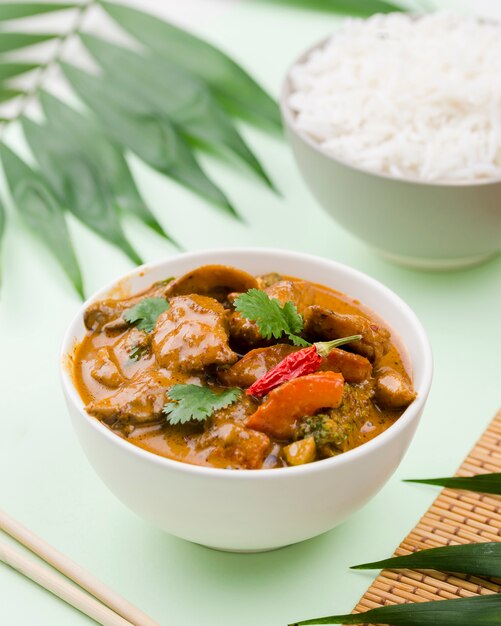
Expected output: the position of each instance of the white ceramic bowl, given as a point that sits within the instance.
(427, 225)
(252, 510)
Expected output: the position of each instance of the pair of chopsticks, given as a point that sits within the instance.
(103, 605)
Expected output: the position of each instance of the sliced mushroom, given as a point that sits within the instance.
(216, 281)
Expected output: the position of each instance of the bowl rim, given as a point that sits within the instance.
(288, 116)
(198, 257)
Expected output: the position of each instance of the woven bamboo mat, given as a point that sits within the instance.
(455, 517)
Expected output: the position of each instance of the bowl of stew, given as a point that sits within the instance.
(245, 399)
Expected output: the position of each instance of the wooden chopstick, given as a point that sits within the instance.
(61, 587)
(119, 605)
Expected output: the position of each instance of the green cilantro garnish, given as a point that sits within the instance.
(193, 402)
(165, 281)
(145, 313)
(136, 352)
(272, 319)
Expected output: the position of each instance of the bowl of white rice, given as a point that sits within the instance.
(395, 123)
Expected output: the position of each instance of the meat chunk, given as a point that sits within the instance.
(230, 443)
(327, 324)
(245, 333)
(108, 313)
(254, 365)
(237, 446)
(192, 334)
(105, 370)
(296, 291)
(212, 280)
(393, 391)
(141, 402)
(353, 367)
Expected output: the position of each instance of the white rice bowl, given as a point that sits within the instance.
(415, 98)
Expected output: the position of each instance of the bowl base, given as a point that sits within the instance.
(435, 265)
(256, 551)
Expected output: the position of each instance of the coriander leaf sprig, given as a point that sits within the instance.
(144, 314)
(272, 319)
(193, 402)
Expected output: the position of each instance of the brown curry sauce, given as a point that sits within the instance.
(128, 395)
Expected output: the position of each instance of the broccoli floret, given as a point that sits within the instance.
(326, 430)
(333, 429)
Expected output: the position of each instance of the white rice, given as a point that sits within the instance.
(418, 98)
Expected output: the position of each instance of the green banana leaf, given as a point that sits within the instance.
(483, 483)
(480, 559)
(475, 611)
(155, 140)
(84, 135)
(78, 183)
(231, 84)
(18, 10)
(157, 85)
(41, 212)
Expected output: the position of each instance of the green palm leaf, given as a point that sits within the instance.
(15, 41)
(483, 483)
(475, 611)
(8, 94)
(231, 84)
(11, 70)
(480, 559)
(78, 183)
(84, 135)
(41, 211)
(3, 219)
(155, 84)
(155, 140)
(17, 10)
(362, 8)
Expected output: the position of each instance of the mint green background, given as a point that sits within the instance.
(45, 480)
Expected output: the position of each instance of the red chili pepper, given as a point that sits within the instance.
(305, 361)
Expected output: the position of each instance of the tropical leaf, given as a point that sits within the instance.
(155, 140)
(15, 41)
(361, 8)
(162, 87)
(17, 10)
(11, 70)
(231, 84)
(8, 94)
(41, 211)
(78, 183)
(3, 219)
(475, 611)
(480, 559)
(483, 483)
(84, 135)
